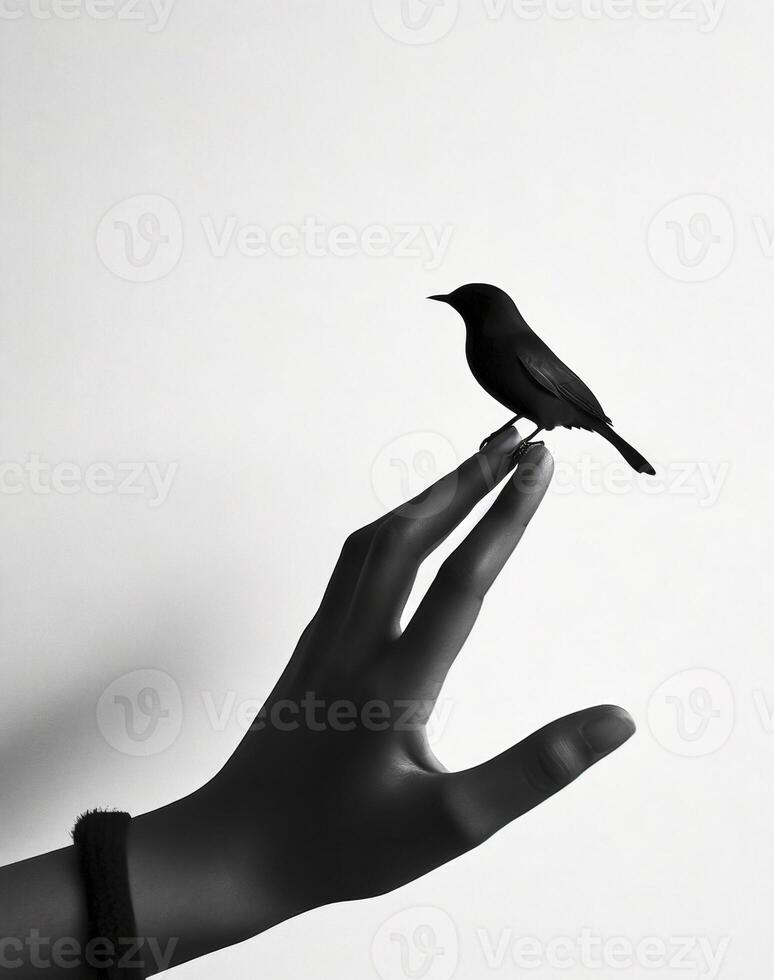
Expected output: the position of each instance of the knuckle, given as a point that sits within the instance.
(391, 536)
(357, 543)
(458, 580)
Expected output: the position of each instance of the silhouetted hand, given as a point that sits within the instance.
(334, 793)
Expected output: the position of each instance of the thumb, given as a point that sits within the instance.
(489, 796)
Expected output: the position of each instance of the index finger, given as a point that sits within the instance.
(451, 605)
(435, 512)
(407, 535)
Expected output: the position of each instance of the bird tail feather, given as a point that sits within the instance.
(629, 453)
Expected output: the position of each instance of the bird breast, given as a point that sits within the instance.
(501, 374)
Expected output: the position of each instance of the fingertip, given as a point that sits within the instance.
(538, 454)
(534, 469)
(607, 727)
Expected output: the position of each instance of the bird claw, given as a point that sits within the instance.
(522, 448)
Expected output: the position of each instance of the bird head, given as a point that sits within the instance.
(478, 303)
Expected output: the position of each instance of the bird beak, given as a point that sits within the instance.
(440, 298)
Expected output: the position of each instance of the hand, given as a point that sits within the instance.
(334, 793)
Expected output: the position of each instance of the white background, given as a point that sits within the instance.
(275, 386)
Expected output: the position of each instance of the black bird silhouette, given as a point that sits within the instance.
(512, 363)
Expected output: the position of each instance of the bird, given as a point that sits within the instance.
(513, 365)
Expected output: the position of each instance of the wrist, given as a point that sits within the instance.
(191, 892)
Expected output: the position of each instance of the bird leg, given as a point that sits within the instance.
(502, 428)
(526, 443)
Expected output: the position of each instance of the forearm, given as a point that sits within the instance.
(190, 897)
(43, 924)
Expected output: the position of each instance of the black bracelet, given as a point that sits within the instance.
(113, 949)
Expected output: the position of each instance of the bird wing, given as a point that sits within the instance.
(559, 380)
